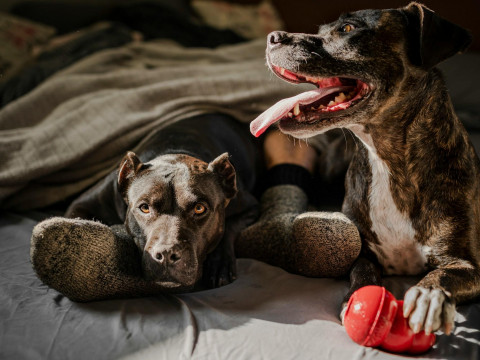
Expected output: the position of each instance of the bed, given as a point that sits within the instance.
(66, 118)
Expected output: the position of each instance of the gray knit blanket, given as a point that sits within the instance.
(72, 129)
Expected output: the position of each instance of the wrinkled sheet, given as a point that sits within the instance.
(266, 313)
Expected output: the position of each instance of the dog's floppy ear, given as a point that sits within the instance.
(226, 173)
(432, 39)
(129, 167)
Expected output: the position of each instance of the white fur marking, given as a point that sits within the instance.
(398, 252)
(339, 50)
(157, 240)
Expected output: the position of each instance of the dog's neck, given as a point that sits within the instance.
(400, 141)
(411, 117)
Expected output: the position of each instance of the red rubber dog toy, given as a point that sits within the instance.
(375, 318)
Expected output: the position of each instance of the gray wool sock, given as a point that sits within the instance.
(86, 260)
(270, 238)
(317, 244)
(326, 244)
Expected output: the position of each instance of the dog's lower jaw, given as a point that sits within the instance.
(172, 281)
(168, 284)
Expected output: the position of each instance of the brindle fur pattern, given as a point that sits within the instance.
(411, 140)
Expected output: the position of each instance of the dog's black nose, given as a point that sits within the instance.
(276, 38)
(168, 256)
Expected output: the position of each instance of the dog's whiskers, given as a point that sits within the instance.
(353, 137)
(345, 137)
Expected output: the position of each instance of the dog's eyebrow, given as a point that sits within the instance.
(352, 18)
(345, 16)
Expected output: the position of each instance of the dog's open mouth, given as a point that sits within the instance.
(332, 95)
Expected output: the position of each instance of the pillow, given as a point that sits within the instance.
(249, 21)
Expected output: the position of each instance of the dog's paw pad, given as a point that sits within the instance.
(429, 310)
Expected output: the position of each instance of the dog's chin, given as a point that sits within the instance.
(169, 284)
(169, 279)
(176, 284)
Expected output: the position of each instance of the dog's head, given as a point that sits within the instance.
(176, 212)
(357, 63)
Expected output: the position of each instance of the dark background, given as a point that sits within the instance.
(299, 15)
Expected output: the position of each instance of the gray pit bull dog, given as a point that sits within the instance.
(412, 188)
(177, 207)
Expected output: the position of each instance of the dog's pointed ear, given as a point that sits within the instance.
(129, 168)
(226, 173)
(432, 39)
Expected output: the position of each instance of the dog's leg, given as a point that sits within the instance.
(431, 303)
(220, 266)
(363, 273)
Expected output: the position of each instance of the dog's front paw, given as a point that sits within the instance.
(429, 310)
(219, 269)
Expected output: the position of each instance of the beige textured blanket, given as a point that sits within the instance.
(71, 130)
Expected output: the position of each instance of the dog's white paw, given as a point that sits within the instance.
(429, 310)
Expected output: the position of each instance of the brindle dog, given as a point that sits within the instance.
(412, 187)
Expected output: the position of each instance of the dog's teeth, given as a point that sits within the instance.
(331, 103)
(340, 98)
(321, 107)
(296, 109)
(290, 115)
(282, 71)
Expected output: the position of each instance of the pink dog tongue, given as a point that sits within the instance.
(283, 107)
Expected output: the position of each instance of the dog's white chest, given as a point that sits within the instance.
(398, 251)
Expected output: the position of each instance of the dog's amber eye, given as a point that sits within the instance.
(346, 28)
(199, 209)
(144, 208)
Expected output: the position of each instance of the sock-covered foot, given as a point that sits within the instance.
(325, 244)
(270, 238)
(317, 244)
(86, 260)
